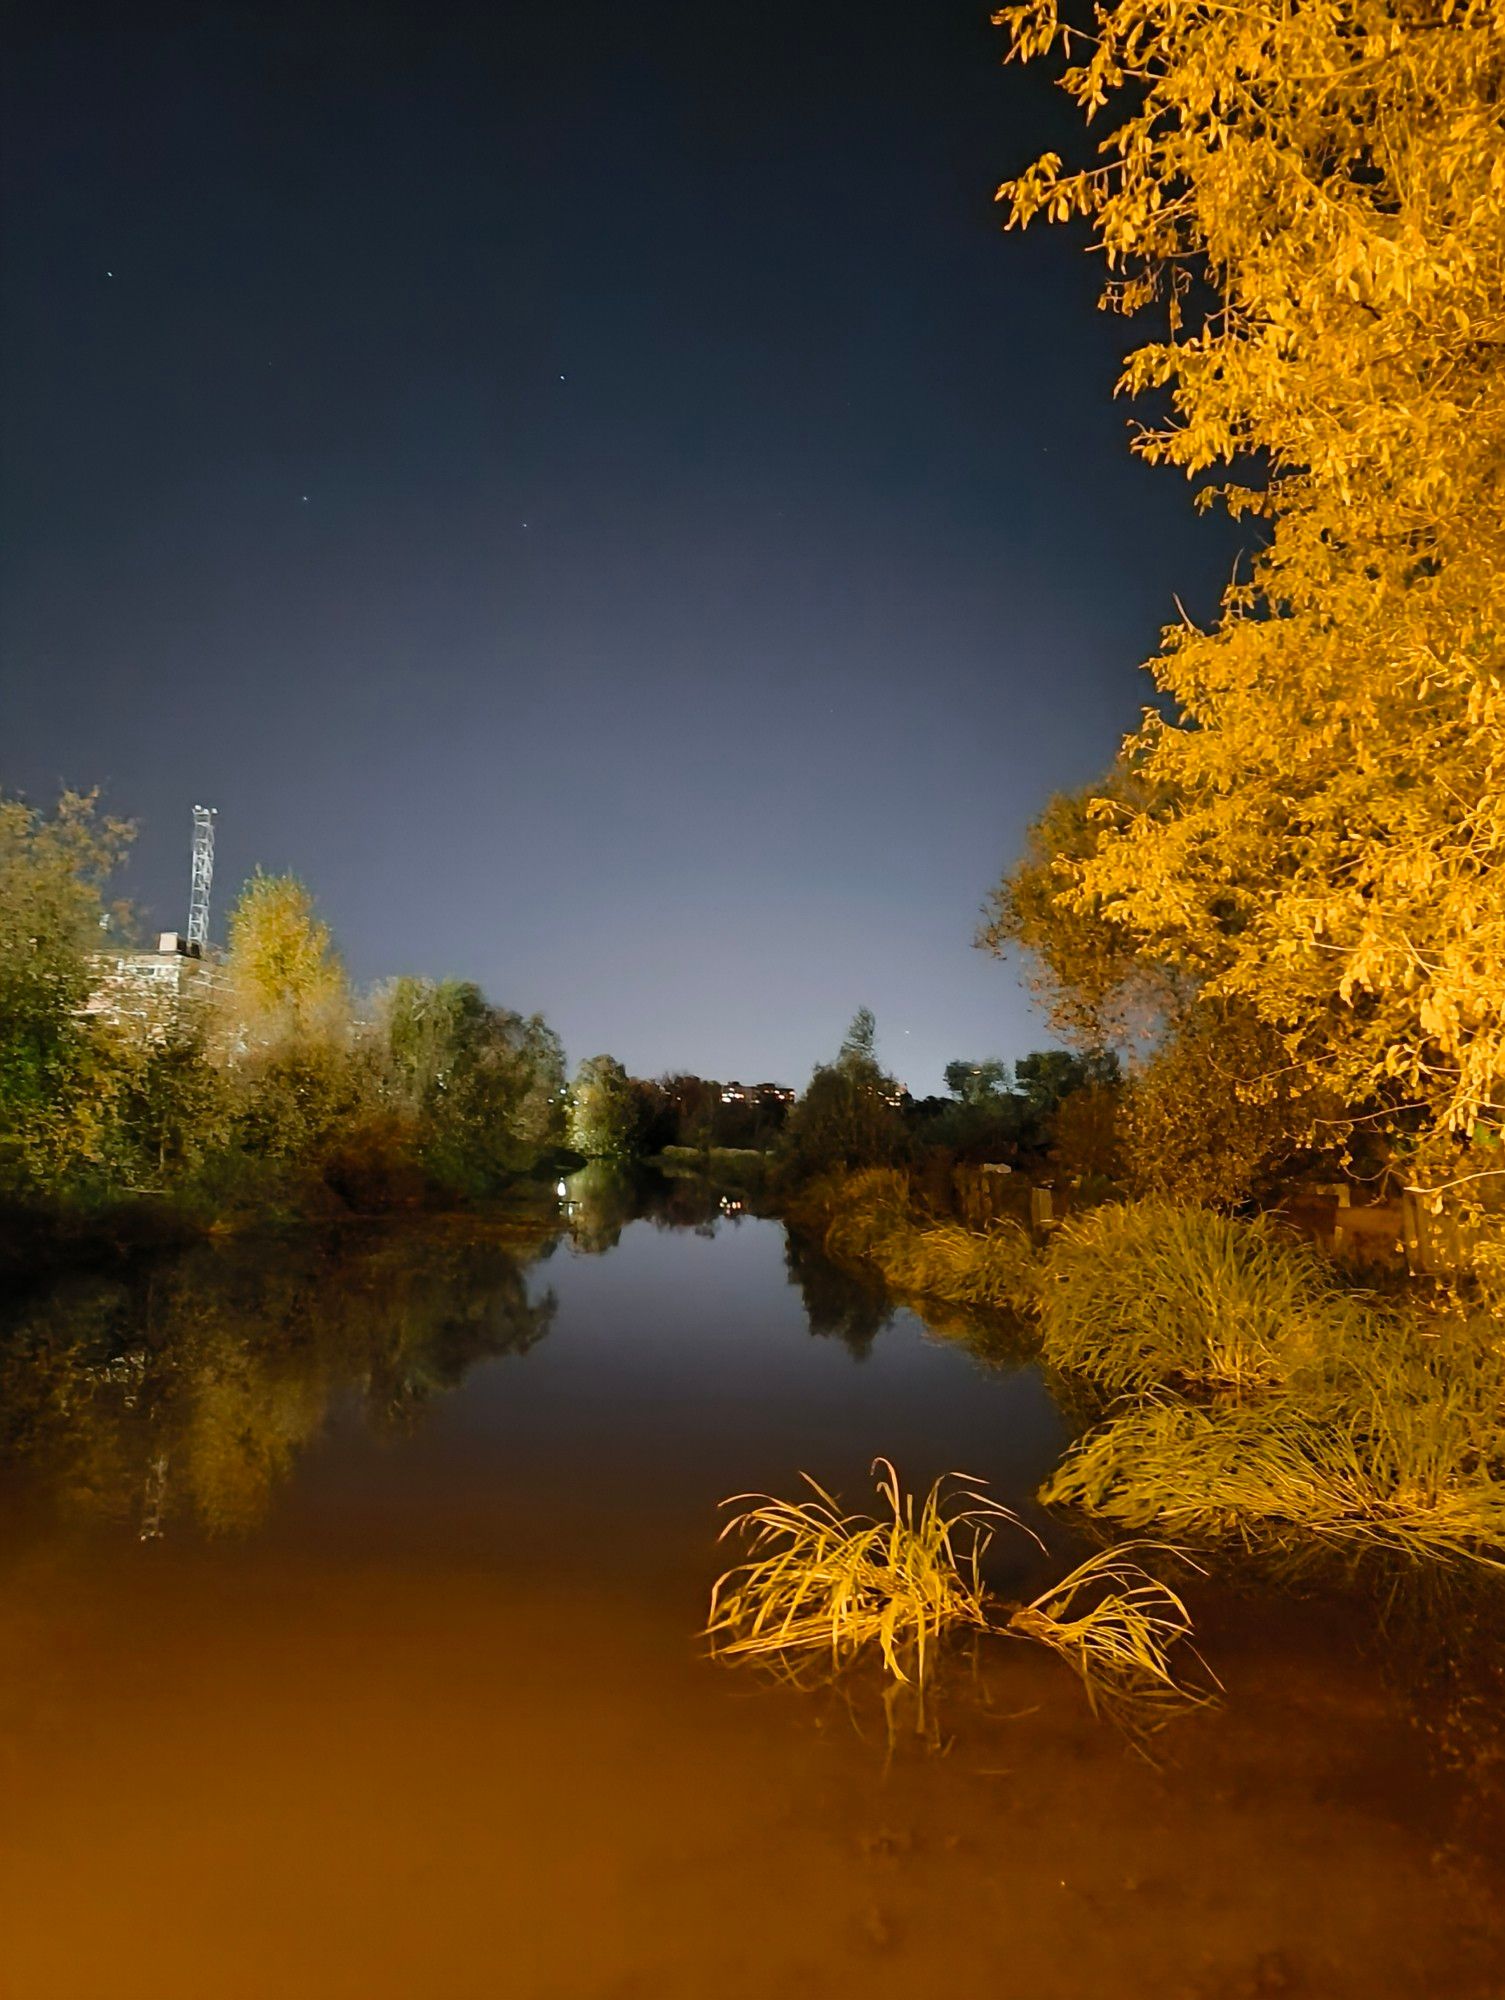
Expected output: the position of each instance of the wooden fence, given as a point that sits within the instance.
(1399, 1234)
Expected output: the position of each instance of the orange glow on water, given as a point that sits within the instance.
(441, 1724)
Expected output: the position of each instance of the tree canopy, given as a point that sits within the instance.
(252, 1079)
(977, 1082)
(848, 1115)
(603, 1110)
(282, 977)
(1311, 829)
(485, 1085)
(54, 869)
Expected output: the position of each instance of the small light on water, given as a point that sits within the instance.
(560, 1190)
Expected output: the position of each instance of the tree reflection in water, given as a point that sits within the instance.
(598, 1202)
(185, 1394)
(837, 1302)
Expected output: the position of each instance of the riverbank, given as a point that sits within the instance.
(740, 1170)
(1238, 1389)
(41, 1240)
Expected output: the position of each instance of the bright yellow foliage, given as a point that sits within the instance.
(1315, 195)
(283, 980)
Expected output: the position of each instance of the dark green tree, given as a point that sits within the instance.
(485, 1085)
(849, 1115)
(977, 1082)
(860, 1043)
(1047, 1076)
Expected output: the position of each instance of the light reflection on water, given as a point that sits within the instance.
(347, 1646)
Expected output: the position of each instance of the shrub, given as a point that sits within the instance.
(1084, 1133)
(1201, 1121)
(742, 1167)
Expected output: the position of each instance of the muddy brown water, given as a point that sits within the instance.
(348, 1649)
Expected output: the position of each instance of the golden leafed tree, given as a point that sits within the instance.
(1310, 199)
(283, 981)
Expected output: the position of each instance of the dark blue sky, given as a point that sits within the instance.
(592, 490)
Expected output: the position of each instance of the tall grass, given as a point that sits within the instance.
(1400, 1443)
(823, 1581)
(1264, 1400)
(1145, 1292)
(820, 1581)
(995, 1267)
(861, 1211)
(869, 1218)
(1118, 1627)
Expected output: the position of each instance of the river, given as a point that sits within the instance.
(348, 1648)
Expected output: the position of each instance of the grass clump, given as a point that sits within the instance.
(1399, 1442)
(994, 1267)
(1143, 1293)
(827, 1582)
(1117, 1627)
(870, 1219)
(863, 1211)
(820, 1581)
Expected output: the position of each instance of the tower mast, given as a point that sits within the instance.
(203, 876)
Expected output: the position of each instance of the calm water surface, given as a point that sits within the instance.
(348, 1648)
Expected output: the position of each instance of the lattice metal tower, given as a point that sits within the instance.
(203, 876)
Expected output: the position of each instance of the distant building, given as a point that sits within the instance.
(764, 1094)
(145, 988)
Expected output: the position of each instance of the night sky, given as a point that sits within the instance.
(593, 490)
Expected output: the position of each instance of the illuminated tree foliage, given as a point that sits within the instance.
(282, 979)
(603, 1110)
(56, 1082)
(1313, 832)
(254, 1083)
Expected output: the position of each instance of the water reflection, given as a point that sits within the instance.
(599, 1201)
(387, 1745)
(839, 1304)
(189, 1391)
